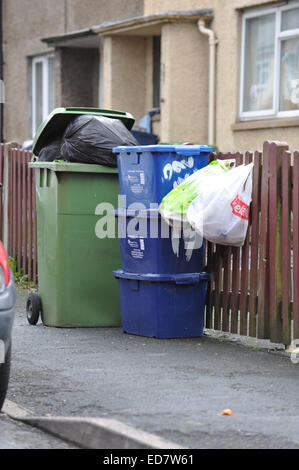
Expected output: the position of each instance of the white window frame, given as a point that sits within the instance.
(279, 36)
(44, 60)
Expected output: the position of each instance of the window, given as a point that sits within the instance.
(43, 89)
(270, 63)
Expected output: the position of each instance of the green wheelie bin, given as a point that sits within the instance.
(75, 283)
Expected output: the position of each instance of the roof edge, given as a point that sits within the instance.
(159, 17)
(131, 23)
(71, 35)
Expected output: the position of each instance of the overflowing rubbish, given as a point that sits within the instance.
(50, 152)
(83, 135)
(174, 205)
(220, 212)
(90, 139)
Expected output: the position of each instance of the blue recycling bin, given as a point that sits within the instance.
(147, 173)
(162, 287)
(149, 245)
(162, 306)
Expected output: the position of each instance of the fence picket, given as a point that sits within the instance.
(286, 248)
(227, 254)
(275, 236)
(14, 203)
(235, 270)
(218, 260)
(210, 288)
(244, 287)
(295, 211)
(263, 283)
(254, 251)
(10, 204)
(19, 209)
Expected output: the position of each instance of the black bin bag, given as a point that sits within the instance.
(50, 152)
(90, 139)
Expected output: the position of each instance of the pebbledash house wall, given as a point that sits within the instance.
(231, 135)
(126, 62)
(25, 23)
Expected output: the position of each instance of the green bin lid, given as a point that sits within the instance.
(57, 121)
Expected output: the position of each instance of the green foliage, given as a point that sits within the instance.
(13, 264)
(21, 279)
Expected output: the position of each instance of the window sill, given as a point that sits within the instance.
(265, 124)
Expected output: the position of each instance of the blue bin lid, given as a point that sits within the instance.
(189, 278)
(187, 150)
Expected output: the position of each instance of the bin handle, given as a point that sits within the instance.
(188, 153)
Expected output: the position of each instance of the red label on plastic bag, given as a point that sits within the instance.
(240, 209)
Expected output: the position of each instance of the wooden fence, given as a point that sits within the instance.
(18, 210)
(255, 288)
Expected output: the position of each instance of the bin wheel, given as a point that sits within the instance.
(33, 308)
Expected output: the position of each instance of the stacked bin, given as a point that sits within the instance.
(161, 284)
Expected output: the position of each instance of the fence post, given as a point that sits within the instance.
(263, 280)
(295, 210)
(285, 255)
(276, 152)
(5, 191)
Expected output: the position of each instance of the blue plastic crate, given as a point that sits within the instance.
(147, 173)
(162, 306)
(148, 245)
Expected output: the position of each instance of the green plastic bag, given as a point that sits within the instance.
(174, 205)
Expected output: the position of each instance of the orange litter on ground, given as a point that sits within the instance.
(227, 412)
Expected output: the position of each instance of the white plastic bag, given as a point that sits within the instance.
(221, 210)
(174, 205)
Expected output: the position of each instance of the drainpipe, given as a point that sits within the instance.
(212, 61)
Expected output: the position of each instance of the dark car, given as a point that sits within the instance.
(7, 304)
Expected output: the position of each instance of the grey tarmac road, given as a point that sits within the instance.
(173, 388)
(16, 435)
